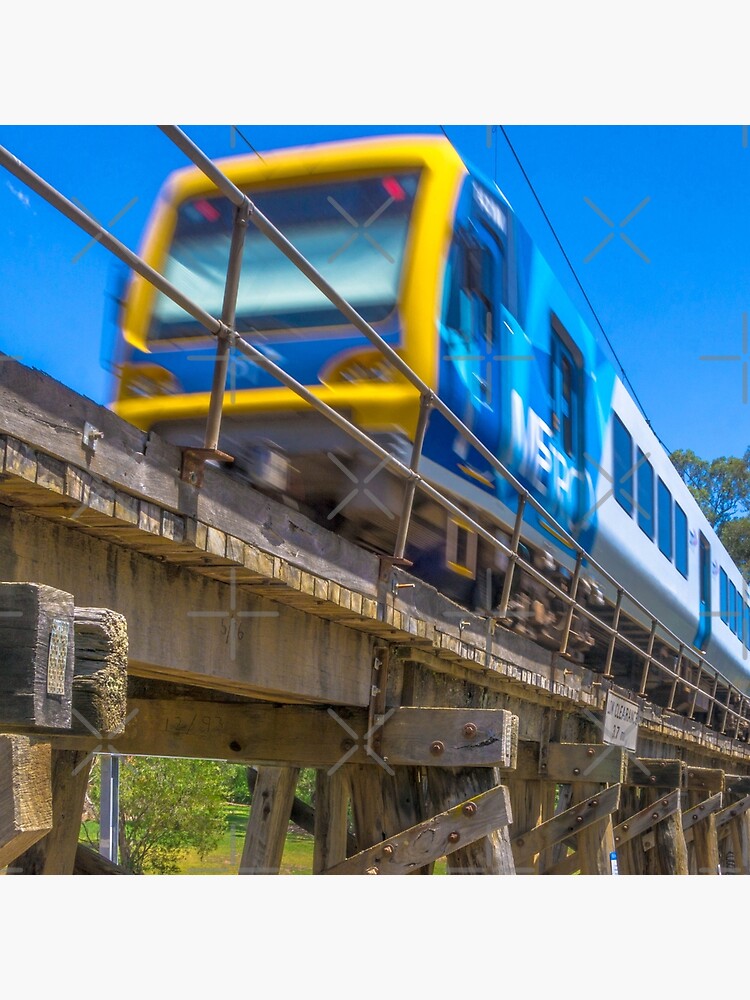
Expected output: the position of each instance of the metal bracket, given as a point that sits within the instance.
(376, 708)
(389, 563)
(194, 463)
(91, 436)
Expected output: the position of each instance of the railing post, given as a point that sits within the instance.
(676, 681)
(573, 594)
(613, 636)
(649, 658)
(425, 408)
(502, 611)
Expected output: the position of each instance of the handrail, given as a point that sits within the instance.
(228, 337)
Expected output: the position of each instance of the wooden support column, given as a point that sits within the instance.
(628, 833)
(527, 798)
(331, 808)
(384, 802)
(25, 795)
(269, 820)
(596, 842)
(490, 855)
(55, 853)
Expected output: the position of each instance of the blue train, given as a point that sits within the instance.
(434, 258)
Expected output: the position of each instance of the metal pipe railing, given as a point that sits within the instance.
(227, 336)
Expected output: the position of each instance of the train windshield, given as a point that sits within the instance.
(353, 232)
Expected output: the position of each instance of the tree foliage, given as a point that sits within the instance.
(167, 807)
(722, 489)
(721, 486)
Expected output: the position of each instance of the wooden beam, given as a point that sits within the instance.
(36, 651)
(572, 821)
(307, 736)
(655, 773)
(701, 811)
(89, 862)
(569, 762)
(332, 839)
(424, 843)
(100, 675)
(25, 794)
(733, 811)
(704, 779)
(55, 853)
(269, 820)
(647, 818)
(737, 784)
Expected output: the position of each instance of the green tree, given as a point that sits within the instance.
(722, 490)
(721, 486)
(168, 806)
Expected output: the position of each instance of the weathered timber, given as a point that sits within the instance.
(701, 811)
(592, 810)
(704, 846)
(489, 855)
(704, 779)
(527, 800)
(596, 840)
(36, 656)
(269, 820)
(55, 853)
(333, 842)
(646, 819)
(737, 784)
(307, 736)
(669, 856)
(384, 801)
(100, 676)
(89, 862)
(732, 811)
(585, 762)
(424, 843)
(655, 773)
(25, 794)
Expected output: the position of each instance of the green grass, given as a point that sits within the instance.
(297, 858)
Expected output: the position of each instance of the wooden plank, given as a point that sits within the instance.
(595, 842)
(25, 794)
(36, 652)
(737, 784)
(733, 811)
(701, 811)
(647, 818)
(669, 856)
(572, 821)
(269, 820)
(407, 852)
(489, 855)
(567, 762)
(656, 773)
(305, 736)
(55, 853)
(88, 862)
(704, 779)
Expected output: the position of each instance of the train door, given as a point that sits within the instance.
(566, 389)
(704, 585)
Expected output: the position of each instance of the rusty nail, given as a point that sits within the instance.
(654, 815)
(652, 779)
(454, 836)
(520, 841)
(470, 730)
(590, 751)
(579, 819)
(470, 808)
(437, 747)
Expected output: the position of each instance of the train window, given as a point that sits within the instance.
(733, 608)
(461, 549)
(664, 505)
(645, 495)
(622, 449)
(565, 391)
(724, 596)
(680, 540)
(747, 626)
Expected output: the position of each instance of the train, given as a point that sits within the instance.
(433, 257)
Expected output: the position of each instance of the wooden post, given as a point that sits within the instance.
(490, 855)
(100, 677)
(669, 856)
(269, 820)
(36, 651)
(383, 804)
(527, 800)
(331, 809)
(25, 795)
(55, 853)
(596, 842)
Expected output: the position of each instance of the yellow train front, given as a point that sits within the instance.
(374, 217)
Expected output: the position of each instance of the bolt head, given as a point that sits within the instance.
(436, 748)
(454, 837)
(470, 808)
(590, 751)
(470, 730)
(388, 850)
(346, 745)
(576, 770)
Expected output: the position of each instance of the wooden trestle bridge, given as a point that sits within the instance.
(143, 614)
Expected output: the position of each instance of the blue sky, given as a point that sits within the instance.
(654, 220)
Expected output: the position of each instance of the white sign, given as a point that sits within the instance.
(621, 719)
